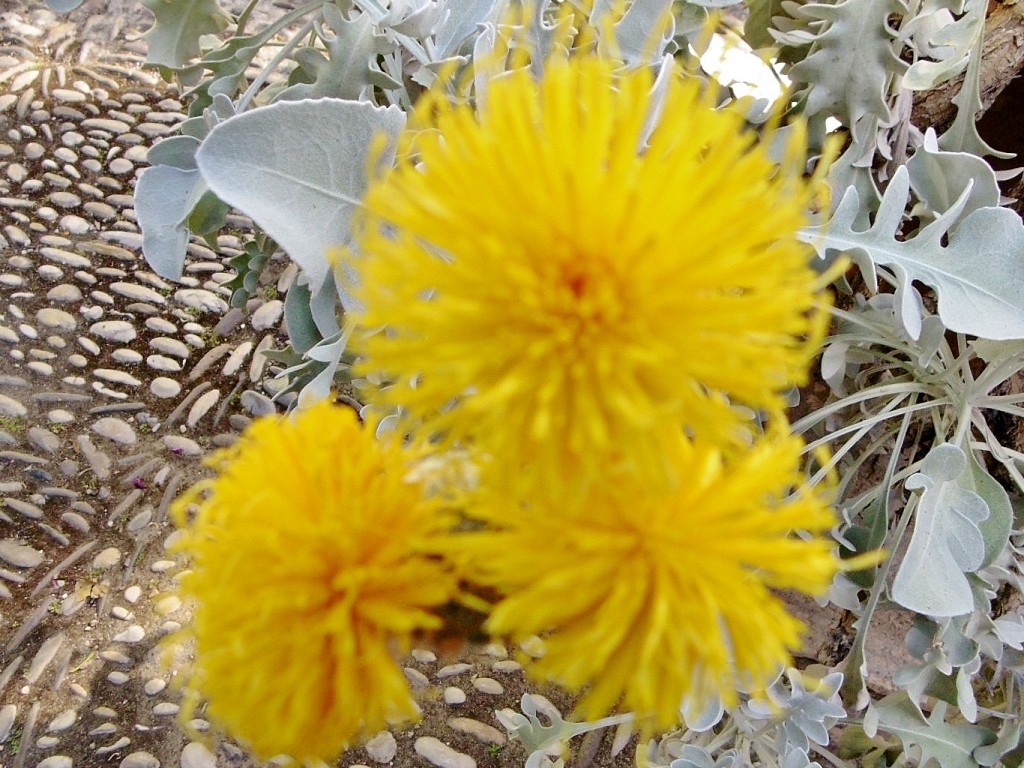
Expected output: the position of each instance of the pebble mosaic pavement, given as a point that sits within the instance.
(114, 383)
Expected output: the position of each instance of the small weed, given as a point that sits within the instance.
(15, 425)
(82, 664)
(494, 749)
(54, 607)
(89, 481)
(58, 429)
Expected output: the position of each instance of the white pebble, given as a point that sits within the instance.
(453, 695)
(140, 760)
(120, 331)
(63, 721)
(106, 559)
(488, 685)
(76, 225)
(436, 752)
(133, 634)
(164, 387)
(60, 416)
(126, 356)
(267, 315)
(382, 747)
(450, 670)
(196, 755)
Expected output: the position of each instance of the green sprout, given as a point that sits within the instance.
(13, 424)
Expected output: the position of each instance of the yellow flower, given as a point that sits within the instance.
(311, 558)
(556, 286)
(643, 600)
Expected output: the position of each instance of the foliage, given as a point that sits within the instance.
(919, 375)
(780, 728)
(539, 739)
(322, 173)
(969, 261)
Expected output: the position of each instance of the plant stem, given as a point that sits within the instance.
(833, 759)
(853, 681)
(281, 55)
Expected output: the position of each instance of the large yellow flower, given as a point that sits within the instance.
(557, 286)
(311, 557)
(644, 600)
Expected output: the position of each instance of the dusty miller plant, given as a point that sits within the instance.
(919, 376)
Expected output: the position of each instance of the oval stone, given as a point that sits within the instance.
(52, 317)
(120, 331)
(19, 555)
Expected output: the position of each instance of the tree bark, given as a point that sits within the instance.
(1003, 60)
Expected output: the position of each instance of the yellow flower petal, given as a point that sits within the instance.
(311, 558)
(556, 287)
(645, 599)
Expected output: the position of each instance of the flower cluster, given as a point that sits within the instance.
(582, 288)
(590, 283)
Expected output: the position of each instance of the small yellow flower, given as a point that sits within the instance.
(643, 600)
(312, 557)
(556, 286)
